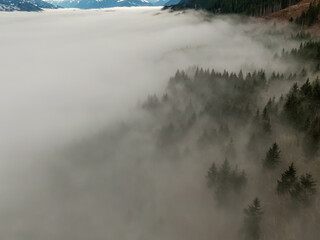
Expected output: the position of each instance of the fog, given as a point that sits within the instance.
(70, 79)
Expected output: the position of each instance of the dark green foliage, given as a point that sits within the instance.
(301, 35)
(215, 111)
(301, 110)
(312, 138)
(266, 121)
(307, 51)
(292, 107)
(251, 225)
(261, 126)
(221, 113)
(226, 182)
(272, 158)
(308, 18)
(220, 97)
(301, 103)
(288, 180)
(304, 190)
(249, 7)
(301, 190)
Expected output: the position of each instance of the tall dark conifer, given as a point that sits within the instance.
(251, 225)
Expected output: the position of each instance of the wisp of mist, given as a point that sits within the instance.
(69, 75)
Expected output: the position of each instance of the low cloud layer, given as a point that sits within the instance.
(70, 74)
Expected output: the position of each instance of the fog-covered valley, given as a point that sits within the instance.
(101, 138)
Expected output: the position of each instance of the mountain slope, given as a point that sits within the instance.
(158, 2)
(247, 7)
(293, 11)
(296, 11)
(171, 2)
(87, 4)
(24, 5)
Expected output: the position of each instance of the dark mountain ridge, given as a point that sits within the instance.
(247, 7)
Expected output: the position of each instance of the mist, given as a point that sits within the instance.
(79, 157)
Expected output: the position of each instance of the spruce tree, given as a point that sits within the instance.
(272, 158)
(266, 121)
(304, 190)
(212, 175)
(312, 139)
(251, 226)
(288, 180)
(226, 182)
(223, 187)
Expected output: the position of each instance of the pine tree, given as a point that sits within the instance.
(288, 180)
(212, 175)
(304, 190)
(292, 104)
(251, 226)
(301, 190)
(266, 121)
(316, 90)
(312, 139)
(272, 158)
(226, 182)
(306, 89)
(240, 76)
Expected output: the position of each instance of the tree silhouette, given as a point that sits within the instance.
(272, 158)
(251, 225)
(288, 179)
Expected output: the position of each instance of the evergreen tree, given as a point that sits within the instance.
(272, 158)
(288, 180)
(266, 121)
(226, 182)
(306, 89)
(304, 190)
(212, 175)
(312, 139)
(292, 105)
(308, 18)
(251, 226)
(152, 103)
(223, 187)
(301, 190)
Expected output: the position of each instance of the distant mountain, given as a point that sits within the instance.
(158, 2)
(25, 5)
(88, 4)
(171, 2)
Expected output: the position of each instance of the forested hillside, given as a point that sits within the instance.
(268, 141)
(248, 7)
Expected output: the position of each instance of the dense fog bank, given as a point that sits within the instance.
(85, 153)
